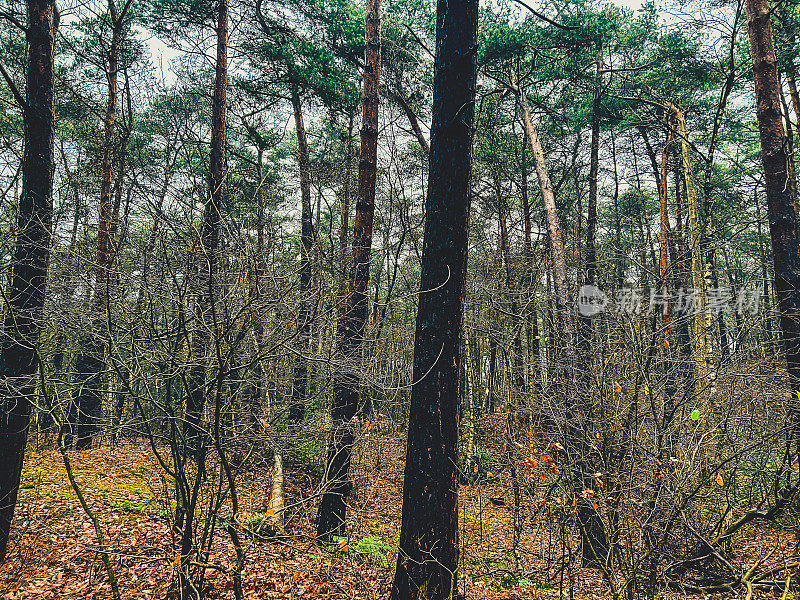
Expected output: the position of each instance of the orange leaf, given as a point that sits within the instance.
(594, 505)
(270, 513)
(617, 387)
(177, 560)
(719, 480)
(542, 475)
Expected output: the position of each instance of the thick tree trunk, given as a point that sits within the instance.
(297, 405)
(782, 216)
(427, 561)
(207, 256)
(25, 298)
(350, 332)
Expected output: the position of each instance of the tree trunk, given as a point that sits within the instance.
(25, 298)
(518, 365)
(427, 560)
(585, 329)
(207, 256)
(90, 360)
(341, 296)
(276, 498)
(350, 338)
(782, 216)
(297, 405)
(578, 414)
(532, 323)
(701, 321)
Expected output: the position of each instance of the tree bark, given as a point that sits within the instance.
(782, 216)
(25, 298)
(427, 559)
(350, 338)
(701, 320)
(90, 360)
(585, 329)
(208, 251)
(297, 405)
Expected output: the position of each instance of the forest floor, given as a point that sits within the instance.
(53, 553)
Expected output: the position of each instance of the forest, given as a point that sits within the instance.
(401, 299)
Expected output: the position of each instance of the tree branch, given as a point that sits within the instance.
(547, 19)
(14, 90)
(14, 21)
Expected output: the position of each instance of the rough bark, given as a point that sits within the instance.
(782, 216)
(427, 559)
(350, 332)
(25, 298)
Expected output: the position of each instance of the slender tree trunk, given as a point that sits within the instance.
(350, 338)
(297, 405)
(790, 165)
(701, 320)
(344, 255)
(276, 499)
(578, 414)
(398, 96)
(782, 216)
(25, 298)
(564, 314)
(518, 366)
(427, 560)
(795, 96)
(664, 238)
(585, 330)
(208, 254)
(532, 323)
(89, 362)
